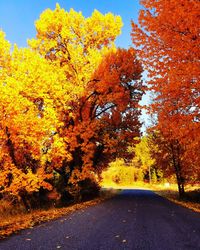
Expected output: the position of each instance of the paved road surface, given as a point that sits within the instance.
(135, 219)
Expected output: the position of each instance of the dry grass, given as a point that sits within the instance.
(12, 221)
(191, 201)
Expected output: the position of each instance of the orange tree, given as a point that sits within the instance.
(69, 104)
(104, 112)
(167, 41)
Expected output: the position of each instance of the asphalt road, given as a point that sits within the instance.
(135, 219)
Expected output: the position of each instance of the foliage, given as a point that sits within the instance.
(145, 153)
(167, 43)
(28, 122)
(69, 105)
(119, 173)
(142, 153)
(168, 157)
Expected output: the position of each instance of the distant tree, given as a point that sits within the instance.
(168, 158)
(119, 173)
(143, 155)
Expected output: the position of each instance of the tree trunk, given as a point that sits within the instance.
(11, 147)
(180, 183)
(25, 202)
(150, 175)
(177, 168)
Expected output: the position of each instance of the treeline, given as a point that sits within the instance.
(131, 174)
(167, 42)
(69, 106)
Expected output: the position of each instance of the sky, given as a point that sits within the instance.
(17, 18)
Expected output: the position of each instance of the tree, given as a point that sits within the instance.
(107, 87)
(167, 43)
(119, 173)
(168, 158)
(28, 121)
(143, 155)
(75, 105)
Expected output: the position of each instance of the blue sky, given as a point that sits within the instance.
(17, 16)
(17, 19)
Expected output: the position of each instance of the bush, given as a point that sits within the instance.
(89, 189)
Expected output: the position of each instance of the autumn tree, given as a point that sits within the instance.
(167, 41)
(29, 121)
(168, 157)
(107, 87)
(142, 155)
(69, 104)
(119, 173)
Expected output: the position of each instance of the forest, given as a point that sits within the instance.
(71, 104)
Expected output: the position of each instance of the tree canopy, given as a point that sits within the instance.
(167, 42)
(69, 103)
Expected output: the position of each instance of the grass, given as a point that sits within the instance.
(11, 221)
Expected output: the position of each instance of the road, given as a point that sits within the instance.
(135, 219)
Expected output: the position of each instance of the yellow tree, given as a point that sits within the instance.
(75, 43)
(118, 173)
(106, 84)
(29, 120)
(143, 155)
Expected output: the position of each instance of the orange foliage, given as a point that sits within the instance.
(69, 103)
(167, 41)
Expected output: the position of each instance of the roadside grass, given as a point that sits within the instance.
(14, 219)
(191, 199)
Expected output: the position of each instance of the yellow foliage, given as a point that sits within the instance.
(66, 100)
(74, 42)
(119, 173)
(37, 85)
